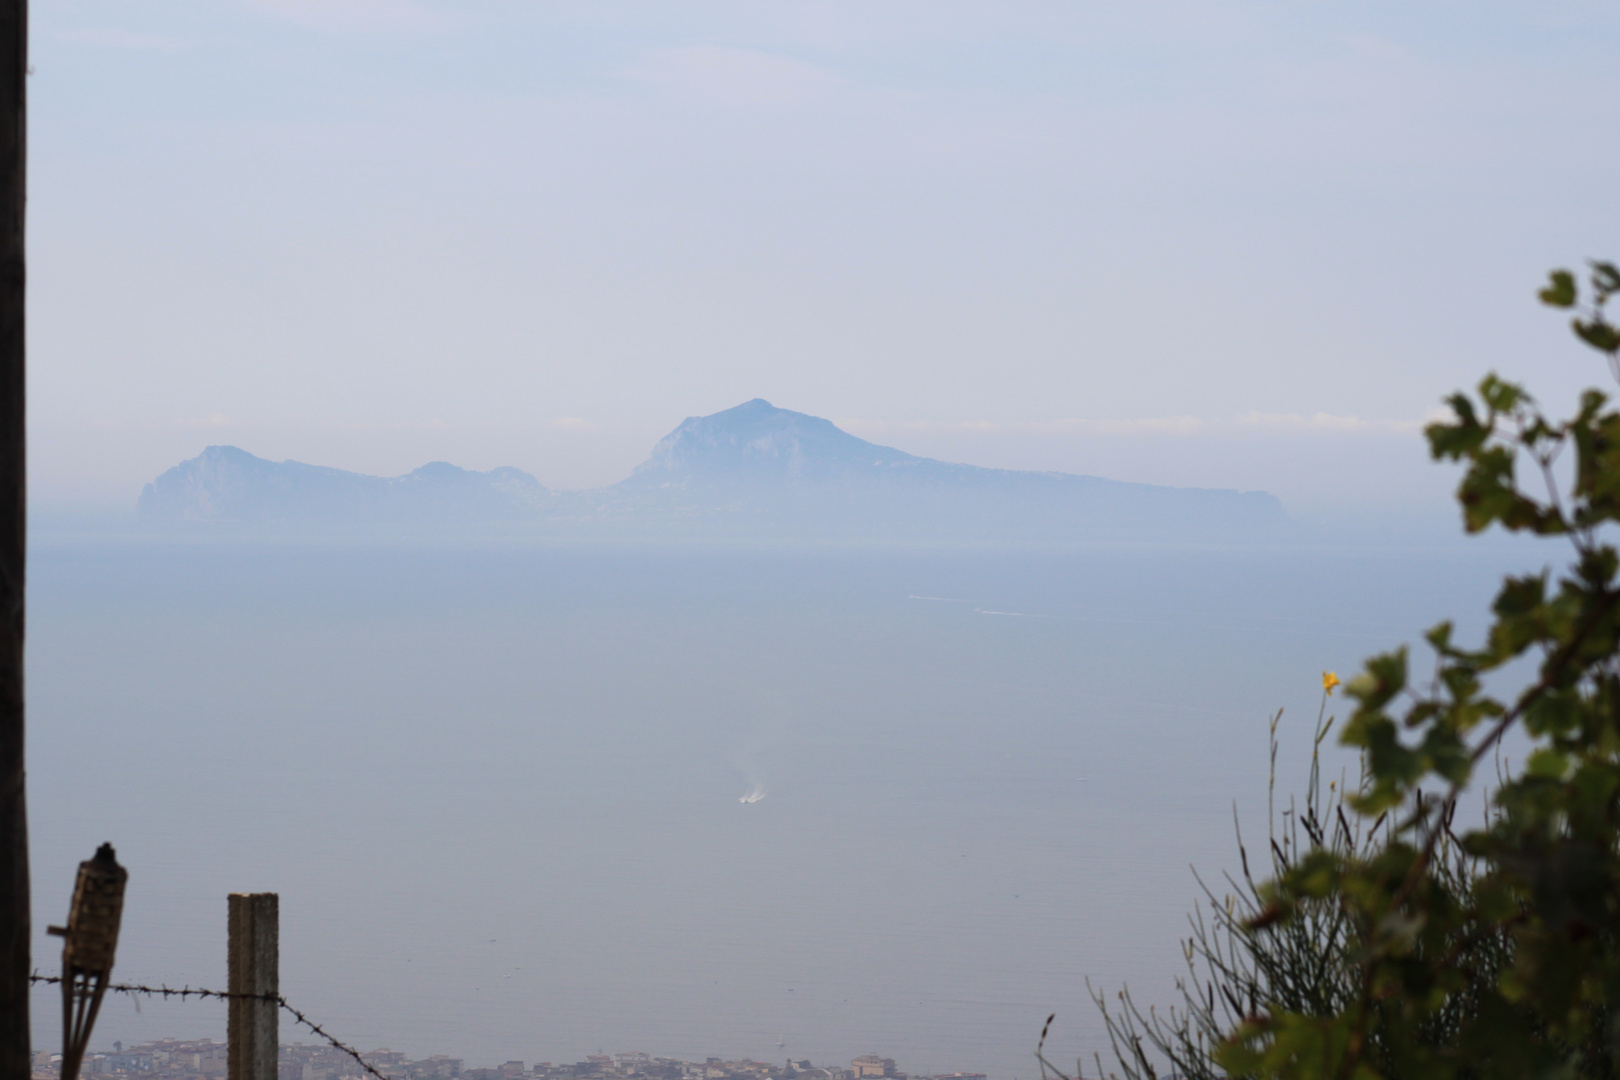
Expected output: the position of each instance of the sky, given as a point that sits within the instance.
(1232, 243)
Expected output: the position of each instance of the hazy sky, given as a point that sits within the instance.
(1243, 244)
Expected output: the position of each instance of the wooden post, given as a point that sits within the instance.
(250, 1031)
(14, 917)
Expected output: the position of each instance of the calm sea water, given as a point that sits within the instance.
(500, 791)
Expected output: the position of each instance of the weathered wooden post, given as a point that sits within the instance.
(250, 1030)
(14, 918)
(90, 942)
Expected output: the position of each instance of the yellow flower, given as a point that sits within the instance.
(1329, 681)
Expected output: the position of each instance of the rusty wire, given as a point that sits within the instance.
(188, 992)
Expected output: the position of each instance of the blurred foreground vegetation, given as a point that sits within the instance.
(1385, 939)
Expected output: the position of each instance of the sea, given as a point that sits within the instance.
(538, 802)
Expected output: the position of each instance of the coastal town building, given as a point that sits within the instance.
(205, 1059)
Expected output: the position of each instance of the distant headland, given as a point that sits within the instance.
(753, 472)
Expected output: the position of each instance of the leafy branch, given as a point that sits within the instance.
(1547, 892)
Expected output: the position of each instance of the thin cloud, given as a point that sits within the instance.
(745, 76)
(1320, 423)
(351, 16)
(101, 37)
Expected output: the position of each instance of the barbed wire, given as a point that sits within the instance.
(226, 995)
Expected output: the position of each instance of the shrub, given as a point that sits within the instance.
(1481, 954)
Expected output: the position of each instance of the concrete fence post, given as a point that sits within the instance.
(251, 1031)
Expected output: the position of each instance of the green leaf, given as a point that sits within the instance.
(1384, 678)
(1560, 292)
(1547, 764)
(1460, 439)
(1605, 279)
(1598, 334)
(1501, 395)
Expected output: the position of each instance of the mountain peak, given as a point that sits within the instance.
(758, 441)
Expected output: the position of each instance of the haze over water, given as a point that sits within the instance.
(532, 802)
(500, 789)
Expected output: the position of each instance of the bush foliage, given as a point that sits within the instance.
(1240, 962)
(1385, 943)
